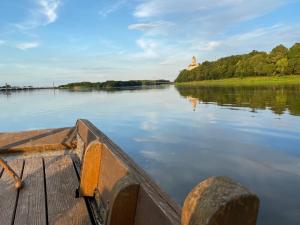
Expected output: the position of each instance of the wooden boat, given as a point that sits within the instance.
(79, 176)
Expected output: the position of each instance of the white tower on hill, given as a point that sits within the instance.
(194, 64)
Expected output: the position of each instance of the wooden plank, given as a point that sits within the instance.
(9, 194)
(31, 208)
(61, 183)
(90, 169)
(36, 140)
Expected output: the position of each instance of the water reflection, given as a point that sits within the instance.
(178, 146)
(118, 90)
(193, 101)
(278, 98)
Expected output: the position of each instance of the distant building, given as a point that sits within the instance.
(194, 64)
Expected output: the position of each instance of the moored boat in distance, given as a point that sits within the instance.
(78, 176)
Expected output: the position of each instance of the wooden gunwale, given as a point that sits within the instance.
(140, 174)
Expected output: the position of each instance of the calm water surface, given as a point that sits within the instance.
(181, 136)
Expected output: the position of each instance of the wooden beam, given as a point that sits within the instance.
(61, 183)
(31, 208)
(37, 140)
(9, 194)
(11, 173)
(90, 169)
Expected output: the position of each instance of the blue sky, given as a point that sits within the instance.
(46, 41)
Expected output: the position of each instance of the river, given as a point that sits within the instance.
(182, 135)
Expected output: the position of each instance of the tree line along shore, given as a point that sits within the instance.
(281, 61)
(114, 84)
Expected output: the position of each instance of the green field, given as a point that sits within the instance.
(248, 81)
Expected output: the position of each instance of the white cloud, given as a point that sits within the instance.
(151, 154)
(207, 46)
(262, 39)
(151, 122)
(27, 45)
(155, 8)
(149, 49)
(203, 28)
(265, 38)
(157, 28)
(143, 26)
(257, 33)
(204, 17)
(43, 12)
(49, 9)
(111, 8)
(159, 138)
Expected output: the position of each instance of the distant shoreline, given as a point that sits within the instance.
(114, 84)
(107, 85)
(2, 89)
(280, 61)
(247, 81)
(118, 85)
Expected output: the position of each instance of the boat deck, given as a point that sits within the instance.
(47, 196)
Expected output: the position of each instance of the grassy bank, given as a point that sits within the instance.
(247, 81)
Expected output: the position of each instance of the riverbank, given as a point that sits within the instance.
(111, 84)
(247, 81)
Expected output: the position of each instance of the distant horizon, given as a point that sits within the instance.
(54, 85)
(101, 81)
(61, 41)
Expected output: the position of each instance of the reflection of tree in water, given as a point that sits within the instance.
(7, 93)
(277, 98)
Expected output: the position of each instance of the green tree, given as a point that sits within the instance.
(279, 61)
(282, 65)
(278, 53)
(294, 59)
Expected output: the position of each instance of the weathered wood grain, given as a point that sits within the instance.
(48, 139)
(61, 183)
(90, 169)
(9, 194)
(220, 200)
(31, 208)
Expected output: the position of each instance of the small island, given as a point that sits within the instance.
(110, 84)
